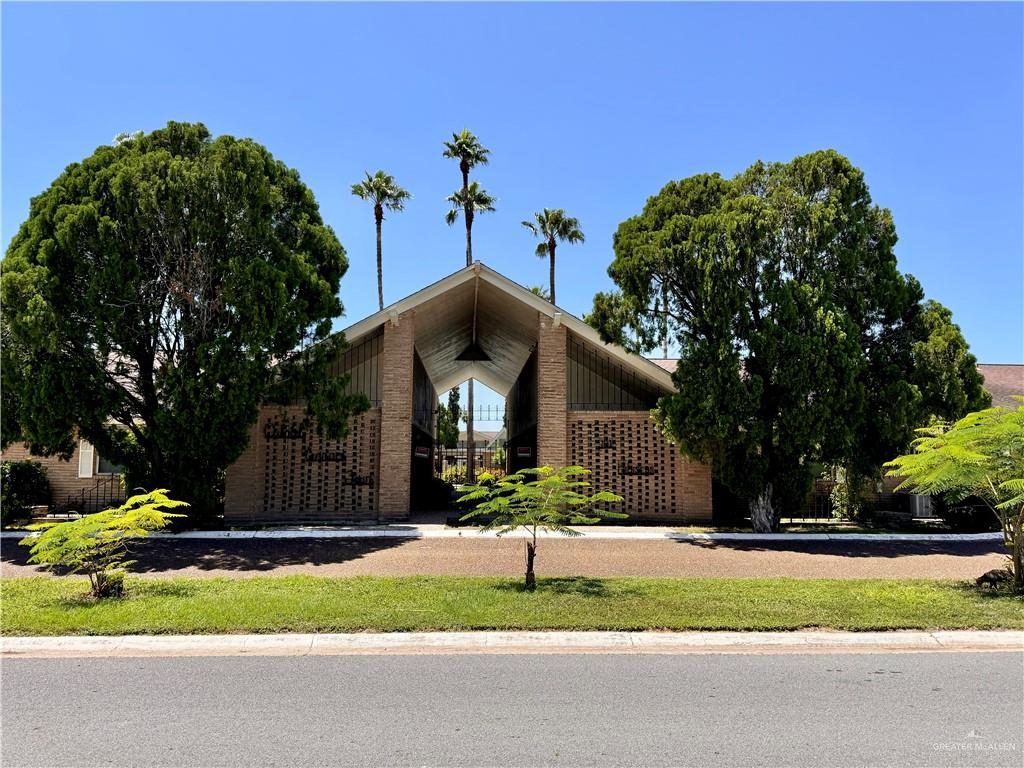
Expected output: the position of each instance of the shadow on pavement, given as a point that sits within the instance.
(857, 548)
(157, 555)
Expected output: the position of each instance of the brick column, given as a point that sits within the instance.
(552, 355)
(396, 418)
(243, 480)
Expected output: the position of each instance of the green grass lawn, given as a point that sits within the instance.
(57, 606)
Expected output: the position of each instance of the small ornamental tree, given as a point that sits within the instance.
(552, 500)
(981, 455)
(97, 545)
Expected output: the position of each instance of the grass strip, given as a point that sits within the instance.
(49, 606)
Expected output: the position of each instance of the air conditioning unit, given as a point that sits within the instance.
(920, 505)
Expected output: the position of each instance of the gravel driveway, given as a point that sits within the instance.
(556, 557)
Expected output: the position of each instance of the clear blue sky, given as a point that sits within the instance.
(587, 107)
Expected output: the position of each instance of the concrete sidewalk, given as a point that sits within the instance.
(648, 532)
(415, 643)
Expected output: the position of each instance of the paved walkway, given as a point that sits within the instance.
(471, 555)
(509, 642)
(619, 532)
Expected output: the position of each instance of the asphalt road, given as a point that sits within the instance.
(913, 709)
(471, 556)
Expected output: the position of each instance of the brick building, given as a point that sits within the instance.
(570, 399)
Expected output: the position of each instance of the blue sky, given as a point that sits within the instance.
(587, 107)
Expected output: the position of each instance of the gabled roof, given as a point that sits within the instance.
(1003, 381)
(504, 315)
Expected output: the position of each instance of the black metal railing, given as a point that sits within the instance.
(106, 492)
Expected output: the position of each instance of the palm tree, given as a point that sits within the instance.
(470, 201)
(383, 191)
(553, 226)
(466, 148)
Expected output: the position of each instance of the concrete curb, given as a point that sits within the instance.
(415, 643)
(656, 534)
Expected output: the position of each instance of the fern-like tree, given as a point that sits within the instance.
(541, 498)
(980, 455)
(552, 226)
(97, 544)
(383, 191)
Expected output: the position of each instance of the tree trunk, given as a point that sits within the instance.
(380, 266)
(470, 447)
(762, 515)
(531, 552)
(551, 259)
(467, 213)
(1017, 553)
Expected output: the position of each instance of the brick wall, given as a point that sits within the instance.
(396, 417)
(63, 475)
(629, 456)
(552, 348)
(290, 474)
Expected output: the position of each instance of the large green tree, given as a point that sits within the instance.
(796, 330)
(383, 191)
(944, 368)
(158, 292)
(552, 226)
(448, 420)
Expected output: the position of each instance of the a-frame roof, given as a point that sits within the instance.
(503, 315)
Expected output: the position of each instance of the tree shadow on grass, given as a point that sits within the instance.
(1000, 593)
(583, 586)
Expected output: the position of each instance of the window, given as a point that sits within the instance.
(91, 463)
(107, 467)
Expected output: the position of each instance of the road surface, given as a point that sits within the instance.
(910, 709)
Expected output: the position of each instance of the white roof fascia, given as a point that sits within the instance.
(637, 362)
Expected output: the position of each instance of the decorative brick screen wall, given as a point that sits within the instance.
(629, 456)
(289, 473)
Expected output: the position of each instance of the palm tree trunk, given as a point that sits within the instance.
(470, 439)
(551, 260)
(380, 269)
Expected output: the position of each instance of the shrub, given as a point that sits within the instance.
(970, 515)
(96, 544)
(455, 475)
(23, 484)
(434, 495)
